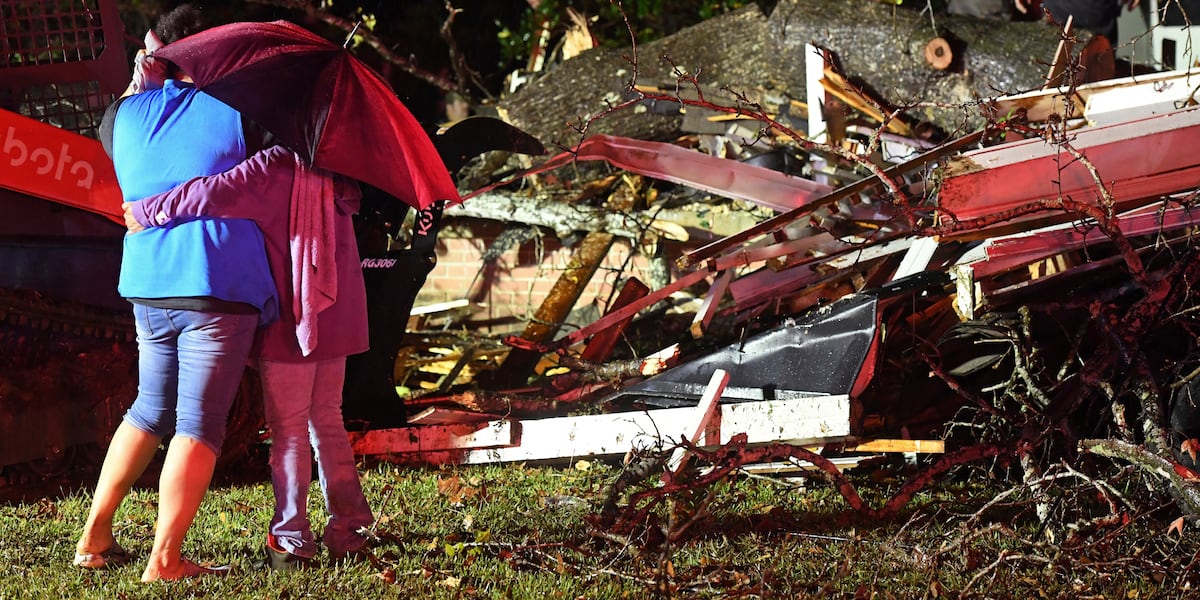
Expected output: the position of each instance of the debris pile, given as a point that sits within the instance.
(897, 267)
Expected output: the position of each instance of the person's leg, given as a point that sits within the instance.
(128, 455)
(347, 506)
(136, 440)
(287, 394)
(213, 349)
(186, 474)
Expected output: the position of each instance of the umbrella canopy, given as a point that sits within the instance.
(318, 100)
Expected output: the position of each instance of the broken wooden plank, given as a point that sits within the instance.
(1003, 254)
(420, 315)
(439, 415)
(797, 466)
(428, 438)
(704, 411)
(836, 84)
(916, 257)
(794, 420)
(849, 462)
(1069, 101)
(897, 445)
(600, 347)
(1062, 56)
(711, 301)
(782, 220)
(815, 60)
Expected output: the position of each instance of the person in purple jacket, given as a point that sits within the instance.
(306, 219)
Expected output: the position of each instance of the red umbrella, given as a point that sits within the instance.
(318, 100)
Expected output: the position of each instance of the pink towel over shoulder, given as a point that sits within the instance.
(314, 268)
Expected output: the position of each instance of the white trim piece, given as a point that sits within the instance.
(1146, 99)
(869, 253)
(795, 420)
(818, 129)
(917, 258)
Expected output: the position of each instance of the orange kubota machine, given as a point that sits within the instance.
(67, 357)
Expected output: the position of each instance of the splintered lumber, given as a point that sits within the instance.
(420, 315)
(427, 438)
(1062, 56)
(796, 420)
(778, 222)
(558, 304)
(889, 445)
(1009, 252)
(600, 347)
(705, 411)
(859, 100)
(1070, 101)
(1134, 160)
(712, 300)
(437, 415)
(974, 277)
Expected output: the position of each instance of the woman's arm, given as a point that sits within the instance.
(257, 189)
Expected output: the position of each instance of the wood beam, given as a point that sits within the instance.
(798, 421)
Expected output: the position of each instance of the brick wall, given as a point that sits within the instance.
(515, 284)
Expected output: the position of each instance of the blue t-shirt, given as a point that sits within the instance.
(161, 138)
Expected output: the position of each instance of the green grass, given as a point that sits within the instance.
(514, 531)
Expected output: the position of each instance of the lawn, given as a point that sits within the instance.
(518, 531)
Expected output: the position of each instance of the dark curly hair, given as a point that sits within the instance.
(184, 20)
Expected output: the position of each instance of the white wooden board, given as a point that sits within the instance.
(800, 420)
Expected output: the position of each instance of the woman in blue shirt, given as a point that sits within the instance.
(199, 289)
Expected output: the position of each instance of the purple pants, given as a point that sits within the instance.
(303, 402)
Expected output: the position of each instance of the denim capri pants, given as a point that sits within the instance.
(190, 365)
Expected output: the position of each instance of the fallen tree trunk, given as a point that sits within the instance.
(882, 49)
(879, 47)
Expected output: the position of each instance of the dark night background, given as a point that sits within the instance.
(410, 28)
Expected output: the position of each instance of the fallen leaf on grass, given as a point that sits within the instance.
(455, 490)
(1176, 526)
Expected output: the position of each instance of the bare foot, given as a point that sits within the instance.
(186, 569)
(94, 543)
